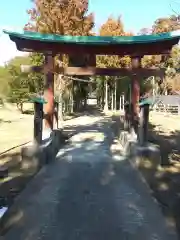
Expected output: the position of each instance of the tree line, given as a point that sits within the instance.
(71, 17)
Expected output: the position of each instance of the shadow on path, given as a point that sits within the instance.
(89, 192)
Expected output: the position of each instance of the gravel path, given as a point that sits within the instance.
(89, 193)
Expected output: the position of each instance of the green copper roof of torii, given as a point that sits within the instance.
(94, 40)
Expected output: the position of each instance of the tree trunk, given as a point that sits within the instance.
(120, 102)
(61, 109)
(20, 107)
(72, 100)
(115, 96)
(106, 96)
(102, 98)
(112, 99)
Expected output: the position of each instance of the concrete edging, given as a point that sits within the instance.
(34, 157)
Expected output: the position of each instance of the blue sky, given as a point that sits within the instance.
(136, 14)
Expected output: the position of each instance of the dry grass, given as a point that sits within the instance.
(15, 128)
(167, 124)
(165, 132)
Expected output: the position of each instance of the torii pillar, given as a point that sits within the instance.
(135, 91)
(49, 95)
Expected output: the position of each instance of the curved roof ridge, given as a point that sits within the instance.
(101, 40)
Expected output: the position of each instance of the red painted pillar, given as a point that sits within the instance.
(49, 92)
(135, 94)
(135, 90)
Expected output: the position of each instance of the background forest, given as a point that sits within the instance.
(71, 17)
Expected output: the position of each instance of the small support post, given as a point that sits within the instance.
(143, 124)
(49, 93)
(127, 122)
(135, 93)
(38, 120)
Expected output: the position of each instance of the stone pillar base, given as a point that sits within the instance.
(34, 156)
(148, 160)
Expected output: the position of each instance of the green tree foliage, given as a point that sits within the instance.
(4, 79)
(16, 86)
(37, 79)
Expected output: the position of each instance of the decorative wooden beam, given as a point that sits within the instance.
(92, 71)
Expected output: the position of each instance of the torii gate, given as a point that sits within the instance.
(79, 46)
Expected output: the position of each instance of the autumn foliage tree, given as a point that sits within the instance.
(70, 17)
(168, 24)
(163, 25)
(112, 27)
(63, 17)
(172, 62)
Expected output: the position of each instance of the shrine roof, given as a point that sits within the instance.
(111, 45)
(94, 40)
